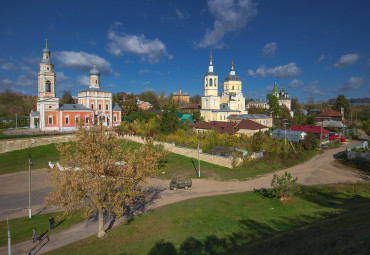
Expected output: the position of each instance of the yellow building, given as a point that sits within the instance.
(232, 101)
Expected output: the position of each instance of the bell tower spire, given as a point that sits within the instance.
(46, 76)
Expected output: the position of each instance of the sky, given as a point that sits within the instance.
(311, 48)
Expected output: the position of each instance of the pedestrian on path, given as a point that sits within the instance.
(34, 235)
(51, 222)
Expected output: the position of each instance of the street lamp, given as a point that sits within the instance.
(29, 180)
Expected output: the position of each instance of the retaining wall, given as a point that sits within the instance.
(191, 153)
(23, 143)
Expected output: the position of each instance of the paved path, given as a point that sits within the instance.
(322, 169)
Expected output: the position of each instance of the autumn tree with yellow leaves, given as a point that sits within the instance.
(100, 175)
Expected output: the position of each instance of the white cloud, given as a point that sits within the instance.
(320, 59)
(27, 79)
(181, 16)
(313, 89)
(145, 71)
(116, 75)
(368, 62)
(251, 93)
(230, 16)
(347, 60)
(60, 77)
(149, 50)
(32, 60)
(110, 85)
(287, 71)
(295, 84)
(146, 83)
(10, 66)
(352, 84)
(269, 49)
(268, 89)
(83, 80)
(82, 61)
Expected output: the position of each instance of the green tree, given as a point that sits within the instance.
(130, 104)
(196, 115)
(67, 98)
(151, 97)
(342, 102)
(117, 99)
(284, 112)
(310, 120)
(169, 122)
(196, 99)
(274, 105)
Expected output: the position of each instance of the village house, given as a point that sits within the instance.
(262, 119)
(292, 136)
(315, 130)
(330, 115)
(246, 127)
(180, 97)
(144, 105)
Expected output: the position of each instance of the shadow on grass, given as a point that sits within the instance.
(59, 223)
(344, 231)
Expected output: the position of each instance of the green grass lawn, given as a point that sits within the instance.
(323, 220)
(21, 228)
(183, 167)
(15, 161)
(177, 165)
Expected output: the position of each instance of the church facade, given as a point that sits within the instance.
(94, 104)
(283, 97)
(231, 101)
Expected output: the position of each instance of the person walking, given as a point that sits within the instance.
(34, 235)
(51, 222)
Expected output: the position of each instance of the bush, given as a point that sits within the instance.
(310, 142)
(284, 186)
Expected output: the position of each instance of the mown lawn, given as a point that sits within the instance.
(323, 220)
(178, 166)
(21, 228)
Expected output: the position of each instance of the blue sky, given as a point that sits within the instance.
(311, 48)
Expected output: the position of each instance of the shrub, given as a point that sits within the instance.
(284, 186)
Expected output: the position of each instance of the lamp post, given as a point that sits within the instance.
(29, 180)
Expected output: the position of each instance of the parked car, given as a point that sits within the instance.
(342, 139)
(180, 184)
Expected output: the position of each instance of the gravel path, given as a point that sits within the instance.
(322, 169)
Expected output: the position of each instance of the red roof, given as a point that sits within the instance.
(192, 107)
(309, 129)
(329, 113)
(229, 127)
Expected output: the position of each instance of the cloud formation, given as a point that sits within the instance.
(347, 60)
(10, 66)
(320, 59)
(149, 50)
(230, 16)
(295, 84)
(287, 71)
(352, 84)
(82, 61)
(27, 79)
(269, 49)
(313, 89)
(83, 80)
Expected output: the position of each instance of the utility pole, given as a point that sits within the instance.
(198, 161)
(9, 238)
(29, 180)
(320, 136)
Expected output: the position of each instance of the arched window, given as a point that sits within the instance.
(99, 106)
(66, 120)
(87, 119)
(206, 82)
(115, 117)
(215, 82)
(106, 107)
(210, 82)
(233, 87)
(77, 119)
(50, 119)
(96, 81)
(48, 86)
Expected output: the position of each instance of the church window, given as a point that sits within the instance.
(77, 119)
(215, 103)
(206, 82)
(215, 83)
(115, 118)
(66, 120)
(87, 119)
(49, 106)
(205, 102)
(99, 107)
(226, 87)
(210, 82)
(92, 106)
(48, 86)
(96, 81)
(233, 87)
(106, 107)
(50, 120)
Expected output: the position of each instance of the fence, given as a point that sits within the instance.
(356, 154)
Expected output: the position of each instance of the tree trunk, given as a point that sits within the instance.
(101, 231)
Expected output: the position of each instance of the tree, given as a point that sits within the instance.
(169, 122)
(100, 185)
(284, 111)
(151, 97)
(196, 116)
(130, 104)
(67, 98)
(342, 102)
(295, 104)
(274, 105)
(117, 99)
(196, 99)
